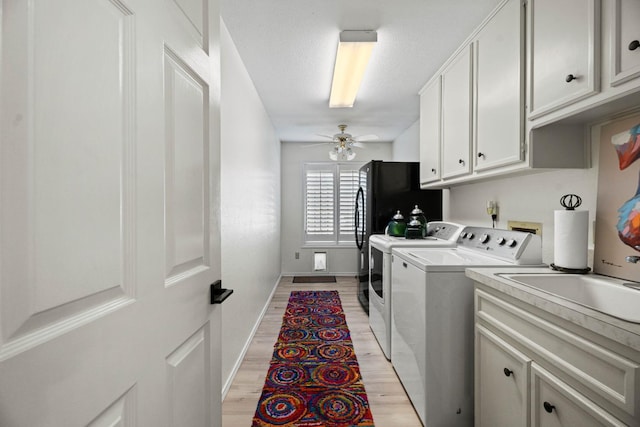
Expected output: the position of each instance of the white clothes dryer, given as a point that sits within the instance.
(440, 234)
(432, 322)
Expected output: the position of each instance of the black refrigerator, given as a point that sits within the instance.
(386, 187)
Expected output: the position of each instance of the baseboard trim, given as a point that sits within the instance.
(318, 273)
(245, 348)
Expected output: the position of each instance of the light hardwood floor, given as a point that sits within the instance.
(389, 403)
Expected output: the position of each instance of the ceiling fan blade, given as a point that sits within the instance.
(315, 145)
(325, 136)
(366, 138)
(357, 144)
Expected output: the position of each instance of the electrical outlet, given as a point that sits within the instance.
(297, 255)
(492, 207)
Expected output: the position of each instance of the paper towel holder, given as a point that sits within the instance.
(570, 270)
(570, 202)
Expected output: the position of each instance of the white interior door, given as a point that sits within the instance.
(108, 213)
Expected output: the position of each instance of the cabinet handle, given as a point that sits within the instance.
(634, 45)
(461, 161)
(570, 78)
(404, 264)
(548, 407)
(433, 170)
(481, 155)
(507, 372)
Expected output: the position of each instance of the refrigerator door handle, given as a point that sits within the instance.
(359, 228)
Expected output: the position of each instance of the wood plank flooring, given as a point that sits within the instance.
(389, 403)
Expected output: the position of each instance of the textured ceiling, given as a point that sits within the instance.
(289, 46)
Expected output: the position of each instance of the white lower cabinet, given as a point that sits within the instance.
(555, 404)
(533, 370)
(501, 383)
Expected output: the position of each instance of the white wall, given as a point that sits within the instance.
(406, 147)
(340, 261)
(250, 207)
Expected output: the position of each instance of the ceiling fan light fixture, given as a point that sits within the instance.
(350, 154)
(352, 57)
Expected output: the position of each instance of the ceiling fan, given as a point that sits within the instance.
(344, 142)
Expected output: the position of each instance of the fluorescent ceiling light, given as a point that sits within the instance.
(354, 51)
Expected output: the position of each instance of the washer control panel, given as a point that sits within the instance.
(444, 230)
(507, 244)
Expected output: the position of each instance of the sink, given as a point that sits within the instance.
(607, 295)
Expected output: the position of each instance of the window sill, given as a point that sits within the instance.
(328, 245)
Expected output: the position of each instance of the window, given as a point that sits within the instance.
(329, 201)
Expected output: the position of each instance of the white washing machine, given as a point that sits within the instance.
(432, 318)
(439, 234)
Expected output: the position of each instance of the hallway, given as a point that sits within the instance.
(389, 403)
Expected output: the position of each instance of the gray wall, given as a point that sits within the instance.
(406, 147)
(340, 261)
(250, 207)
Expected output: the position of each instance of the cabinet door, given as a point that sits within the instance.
(456, 115)
(564, 49)
(625, 39)
(499, 53)
(556, 404)
(430, 132)
(502, 382)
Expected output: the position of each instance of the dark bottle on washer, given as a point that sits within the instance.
(397, 226)
(414, 229)
(417, 214)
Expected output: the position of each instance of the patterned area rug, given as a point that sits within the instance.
(314, 379)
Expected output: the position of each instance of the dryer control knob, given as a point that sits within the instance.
(512, 243)
(470, 236)
(501, 241)
(484, 238)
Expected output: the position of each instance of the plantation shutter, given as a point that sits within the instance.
(330, 192)
(348, 187)
(319, 203)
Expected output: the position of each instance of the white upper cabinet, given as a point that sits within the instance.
(564, 52)
(499, 70)
(430, 132)
(487, 84)
(625, 41)
(456, 115)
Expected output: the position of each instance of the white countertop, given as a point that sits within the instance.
(624, 332)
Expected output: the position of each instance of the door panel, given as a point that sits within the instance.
(119, 414)
(187, 169)
(66, 249)
(109, 164)
(189, 392)
(196, 13)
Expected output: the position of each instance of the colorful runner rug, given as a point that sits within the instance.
(314, 379)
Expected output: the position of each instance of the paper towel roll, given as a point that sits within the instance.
(571, 229)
